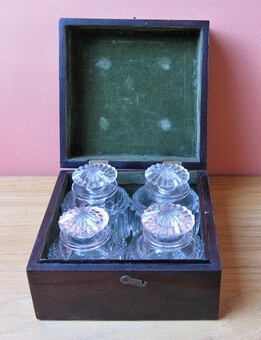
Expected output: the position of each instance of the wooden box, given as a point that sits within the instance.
(134, 93)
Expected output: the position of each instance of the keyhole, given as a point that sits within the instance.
(126, 279)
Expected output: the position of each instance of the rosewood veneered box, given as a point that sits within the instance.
(132, 93)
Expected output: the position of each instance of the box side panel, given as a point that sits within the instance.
(84, 295)
(50, 217)
(211, 225)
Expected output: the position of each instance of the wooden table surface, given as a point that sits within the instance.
(237, 205)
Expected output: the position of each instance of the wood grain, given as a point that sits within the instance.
(237, 205)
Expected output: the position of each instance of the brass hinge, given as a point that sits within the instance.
(172, 162)
(95, 161)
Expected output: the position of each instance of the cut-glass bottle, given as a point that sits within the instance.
(86, 234)
(168, 233)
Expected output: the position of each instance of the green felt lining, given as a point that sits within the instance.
(133, 93)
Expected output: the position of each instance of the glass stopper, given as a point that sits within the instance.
(167, 220)
(167, 176)
(84, 222)
(94, 176)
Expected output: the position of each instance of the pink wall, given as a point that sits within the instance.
(29, 130)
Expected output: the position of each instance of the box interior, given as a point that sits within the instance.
(133, 93)
(130, 181)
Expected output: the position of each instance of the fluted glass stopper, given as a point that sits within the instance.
(94, 176)
(80, 225)
(168, 222)
(167, 179)
(86, 234)
(167, 176)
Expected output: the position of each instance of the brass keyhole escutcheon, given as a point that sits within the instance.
(127, 280)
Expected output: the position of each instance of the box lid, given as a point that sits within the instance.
(133, 92)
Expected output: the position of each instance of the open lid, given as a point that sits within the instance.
(133, 92)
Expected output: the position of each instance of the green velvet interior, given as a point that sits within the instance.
(133, 93)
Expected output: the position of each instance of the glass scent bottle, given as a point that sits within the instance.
(168, 233)
(95, 184)
(166, 182)
(85, 234)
